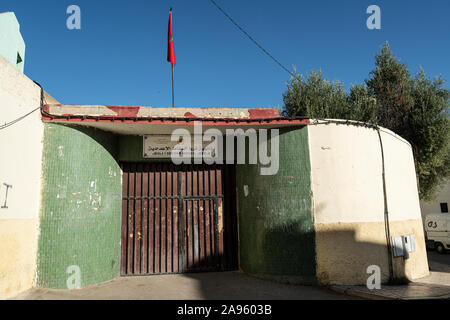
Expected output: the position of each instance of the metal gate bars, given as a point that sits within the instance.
(178, 218)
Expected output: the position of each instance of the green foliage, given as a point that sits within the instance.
(361, 105)
(414, 107)
(316, 97)
(391, 85)
(428, 130)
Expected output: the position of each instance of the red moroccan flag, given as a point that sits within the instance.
(170, 50)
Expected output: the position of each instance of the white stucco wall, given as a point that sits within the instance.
(20, 167)
(401, 179)
(348, 202)
(345, 165)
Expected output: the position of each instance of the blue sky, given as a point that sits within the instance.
(119, 55)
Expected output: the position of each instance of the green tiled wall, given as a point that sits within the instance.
(276, 229)
(80, 221)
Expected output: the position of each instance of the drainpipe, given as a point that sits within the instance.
(386, 212)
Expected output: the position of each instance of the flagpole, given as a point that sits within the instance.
(171, 54)
(173, 93)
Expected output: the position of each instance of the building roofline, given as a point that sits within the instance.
(161, 115)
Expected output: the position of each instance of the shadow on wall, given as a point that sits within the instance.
(282, 252)
(344, 266)
(108, 141)
(343, 259)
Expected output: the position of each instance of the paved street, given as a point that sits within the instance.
(439, 262)
(434, 286)
(235, 285)
(214, 285)
(439, 265)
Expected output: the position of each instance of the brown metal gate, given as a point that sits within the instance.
(178, 218)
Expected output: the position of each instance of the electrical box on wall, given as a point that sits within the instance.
(409, 243)
(403, 245)
(398, 246)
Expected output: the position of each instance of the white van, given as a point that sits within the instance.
(437, 228)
